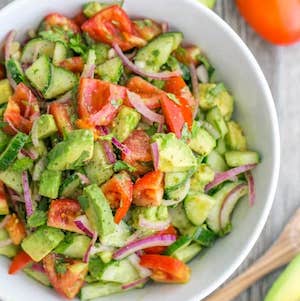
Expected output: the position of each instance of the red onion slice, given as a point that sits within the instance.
(8, 43)
(195, 86)
(140, 106)
(251, 187)
(84, 225)
(122, 147)
(83, 178)
(32, 154)
(153, 225)
(165, 27)
(88, 71)
(227, 175)
(5, 243)
(155, 155)
(134, 284)
(64, 98)
(110, 155)
(38, 268)
(131, 66)
(147, 242)
(135, 261)
(27, 194)
(87, 255)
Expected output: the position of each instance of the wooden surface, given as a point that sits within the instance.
(282, 70)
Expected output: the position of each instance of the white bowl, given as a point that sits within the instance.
(255, 110)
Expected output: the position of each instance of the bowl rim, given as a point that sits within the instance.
(275, 137)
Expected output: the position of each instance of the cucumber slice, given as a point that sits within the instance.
(12, 150)
(179, 244)
(38, 276)
(155, 54)
(174, 180)
(197, 207)
(188, 253)
(111, 70)
(214, 116)
(236, 158)
(35, 48)
(60, 53)
(39, 73)
(180, 193)
(204, 236)
(15, 70)
(99, 289)
(216, 161)
(179, 218)
(62, 81)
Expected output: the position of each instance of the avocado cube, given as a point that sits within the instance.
(201, 142)
(73, 152)
(235, 138)
(41, 242)
(174, 154)
(46, 126)
(203, 175)
(10, 250)
(126, 121)
(99, 211)
(5, 91)
(12, 179)
(49, 184)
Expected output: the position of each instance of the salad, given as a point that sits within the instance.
(119, 158)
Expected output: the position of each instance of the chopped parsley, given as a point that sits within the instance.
(121, 165)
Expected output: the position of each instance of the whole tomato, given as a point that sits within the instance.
(277, 21)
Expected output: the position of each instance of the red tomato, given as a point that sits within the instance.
(112, 25)
(118, 191)
(20, 261)
(149, 190)
(188, 55)
(22, 109)
(140, 151)
(67, 284)
(99, 101)
(147, 29)
(160, 250)
(73, 64)
(58, 20)
(61, 113)
(166, 269)
(3, 200)
(62, 214)
(80, 18)
(16, 229)
(150, 94)
(278, 21)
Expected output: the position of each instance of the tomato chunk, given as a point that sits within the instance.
(166, 269)
(22, 109)
(188, 55)
(149, 190)
(16, 229)
(150, 94)
(80, 18)
(74, 64)
(62, 214)
(69, 282)
(58, 20)
(112, 25)
(147, 29)
(20, 261)
(99, 101)
(118, 191)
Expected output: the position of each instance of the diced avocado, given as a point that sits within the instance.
(10, 250)
(215, 117)
(71, 187)
(12, 179)
(41, 242)
(286, 287)
(15, 70)
(22, 164)
(101, 51)
(188, 253)
(216, 161)
(201, 141)
(118, 238)
(126, 121)
(46, 126)
(73, 246)
(120, 272)
(156, 53)
(99, 211)
(100, 289)
(203, 175)
(98, 169)
(49, 184)
(92, 8)
(38, 276)
(111, 70)
(208, 3)
(174, 154)
(5, 91)
(216, 95)
(71, 153)
(236, 158)
(235, 138)
(4, 140)
(179, 219)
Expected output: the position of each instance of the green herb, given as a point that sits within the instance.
(121, 165)
(156, 52)
(151, 130)
(84, 202)
(173, 98)
(68, 239)
(53, 36)
(3, 124)
(158, 83)
(60, 267)
(37, 219)
(43, 204)
(77, 45)
(22, 164)
(96, 267)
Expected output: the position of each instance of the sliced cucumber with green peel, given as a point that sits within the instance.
(39, 73)
(214, 117)
(11, 152)
(35, 48)
(236, 158)
(14, 68)
(204, 236)
(174, 180)
(179, 219)
(60, 53)
(188, 253)
(38, 276)
(180, 193)
(180, 243)
(100, 289)
(61, 82)
(216, 161)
